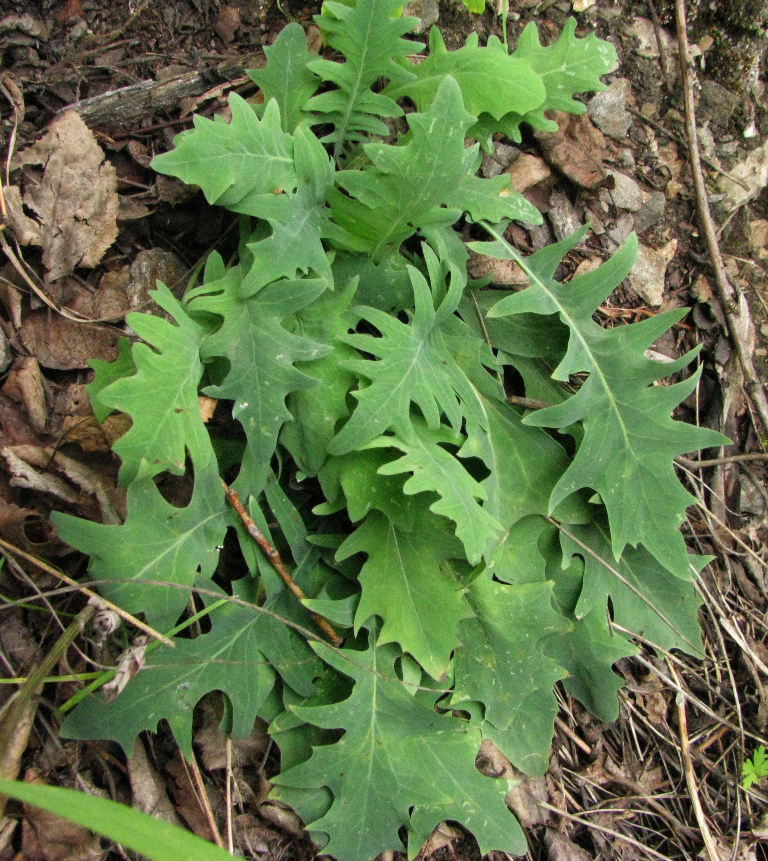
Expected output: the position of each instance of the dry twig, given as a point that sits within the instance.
(725, 289)
(690, 777)
(277, 563)
(49, 569)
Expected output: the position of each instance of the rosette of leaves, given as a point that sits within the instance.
(470, 554)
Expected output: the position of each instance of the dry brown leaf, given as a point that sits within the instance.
(64, 344)
(25, 383)
(227, 23)
(46, 837)
(92, 436)
(212, 741)
(128, 665)
(562, 848)
(75, 203)
(26, 529)
(35, 468)
(185, 797)
(148, 790)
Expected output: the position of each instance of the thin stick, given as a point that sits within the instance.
(660, 45)
(204, 802)
(577, 740)
(617, 834)
(724, 289)
(690, 777)
(717, 461)
(277, 563)
(228, 795)
(49, 569)
(528, 403)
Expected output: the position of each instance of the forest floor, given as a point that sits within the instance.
(665, 780)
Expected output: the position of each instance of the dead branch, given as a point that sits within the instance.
(277, 563)
(727, 292)
(127, 106)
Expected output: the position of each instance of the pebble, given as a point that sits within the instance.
(426, 10)
(607, 109)
(496, 162)
(651, 210)
(648, 273)
(626, 193)
(5, 353)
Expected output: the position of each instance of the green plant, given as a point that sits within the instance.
(470, 554)
(156, 840)
(754, 769)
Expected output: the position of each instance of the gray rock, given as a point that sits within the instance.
(499, 160)
(626, 193)
(717, 103)
(426, 10)
(607, 109)
(621, 230)
(651, 211)
(648, 274)
(5, 353)
(562, 216)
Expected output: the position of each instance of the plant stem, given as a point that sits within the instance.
(277, 563)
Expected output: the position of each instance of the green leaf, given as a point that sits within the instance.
(645, 599)
(491, 81)
(405, 582)
(299, 221)
(629, 438)
(261, 353)
(756, 768)
(566, 67)
(413, 366)
(590, 649)
(230, 658)
(426, 182)
(357, 475)
(318, 410)
(287, 78)
(158, 542)
(106, 373)
(437, 470)
(161, 397)
(522, 335)
(396, 754)
(232, 160)
(368, 34)
(502, 665)
(153, 838)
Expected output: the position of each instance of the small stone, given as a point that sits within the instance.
(562, 216)
(751, 501)
(758, 234)
(673, 189)
(717, 103)
(621, 230)
(651, 210)
(502, 156)
(648, 273)
(426, 11)
(526, 171)
(626, 193)
(607, 110)
(5, 353)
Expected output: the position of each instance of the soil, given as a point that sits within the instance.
(623, 791)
